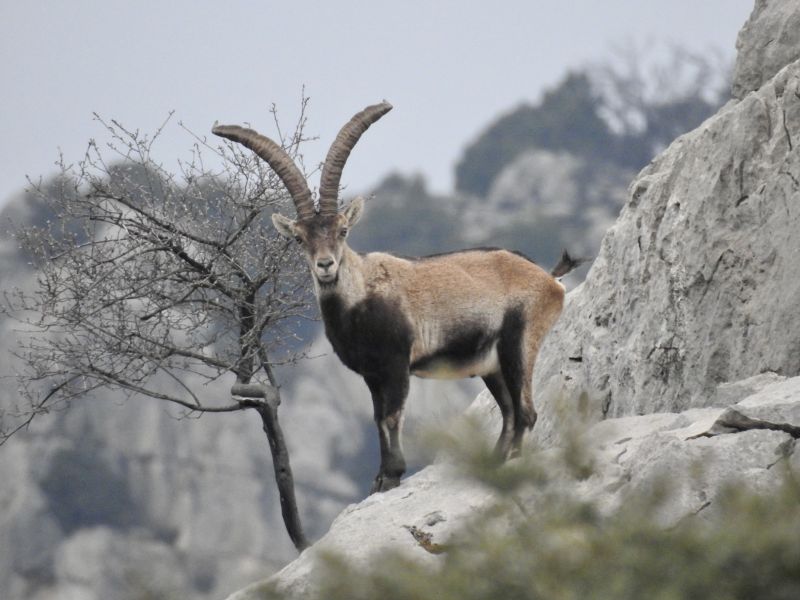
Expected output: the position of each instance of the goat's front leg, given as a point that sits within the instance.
(388, 401)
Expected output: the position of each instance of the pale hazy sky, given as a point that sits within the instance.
(448, 66)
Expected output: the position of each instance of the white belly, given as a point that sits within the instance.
(444, 368)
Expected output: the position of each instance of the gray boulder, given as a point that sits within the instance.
(769, 40)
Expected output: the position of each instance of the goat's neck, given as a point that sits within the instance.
(350, 286)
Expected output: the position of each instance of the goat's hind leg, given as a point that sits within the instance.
(497, 386)
(517, 347)
(526, 412)
(388, 401)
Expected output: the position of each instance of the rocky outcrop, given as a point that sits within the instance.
(745, 442)
(769, 41)
(697, 282)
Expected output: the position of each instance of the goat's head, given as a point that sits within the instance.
(321, 230)
(322, 238)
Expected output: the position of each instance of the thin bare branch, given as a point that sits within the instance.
(149, 276)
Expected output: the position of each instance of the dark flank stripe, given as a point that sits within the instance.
(461, 347)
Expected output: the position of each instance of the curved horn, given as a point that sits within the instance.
(340, 150)
(277, 158)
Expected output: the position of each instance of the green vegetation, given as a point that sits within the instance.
(566, 550)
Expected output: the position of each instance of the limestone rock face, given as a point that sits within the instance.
(698, 280)
(768, 41)
(631, 456)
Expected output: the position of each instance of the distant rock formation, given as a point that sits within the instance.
(112, 499)
(549, 201)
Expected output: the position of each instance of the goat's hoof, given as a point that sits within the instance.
(384, 483)
(500, 456)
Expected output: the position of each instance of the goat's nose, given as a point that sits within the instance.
(324, 263)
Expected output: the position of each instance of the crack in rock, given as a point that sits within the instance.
(732, 419)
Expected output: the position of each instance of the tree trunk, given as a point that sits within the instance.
(283, 473)
(268, 409)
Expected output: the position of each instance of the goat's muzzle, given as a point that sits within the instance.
(325, 269)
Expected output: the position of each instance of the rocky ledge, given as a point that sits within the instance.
(698, 452)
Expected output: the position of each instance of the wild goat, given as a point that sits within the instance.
(480, 312)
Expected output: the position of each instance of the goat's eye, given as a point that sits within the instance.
(298, 239)
(343, 232)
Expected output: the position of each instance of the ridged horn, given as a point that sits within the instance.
(276, 157)
(340, 151)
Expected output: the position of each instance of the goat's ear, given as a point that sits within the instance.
(284, 225)
(354, 211)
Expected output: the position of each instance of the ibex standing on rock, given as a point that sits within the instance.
(480, 312)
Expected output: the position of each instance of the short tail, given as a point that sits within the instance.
(567, 264)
